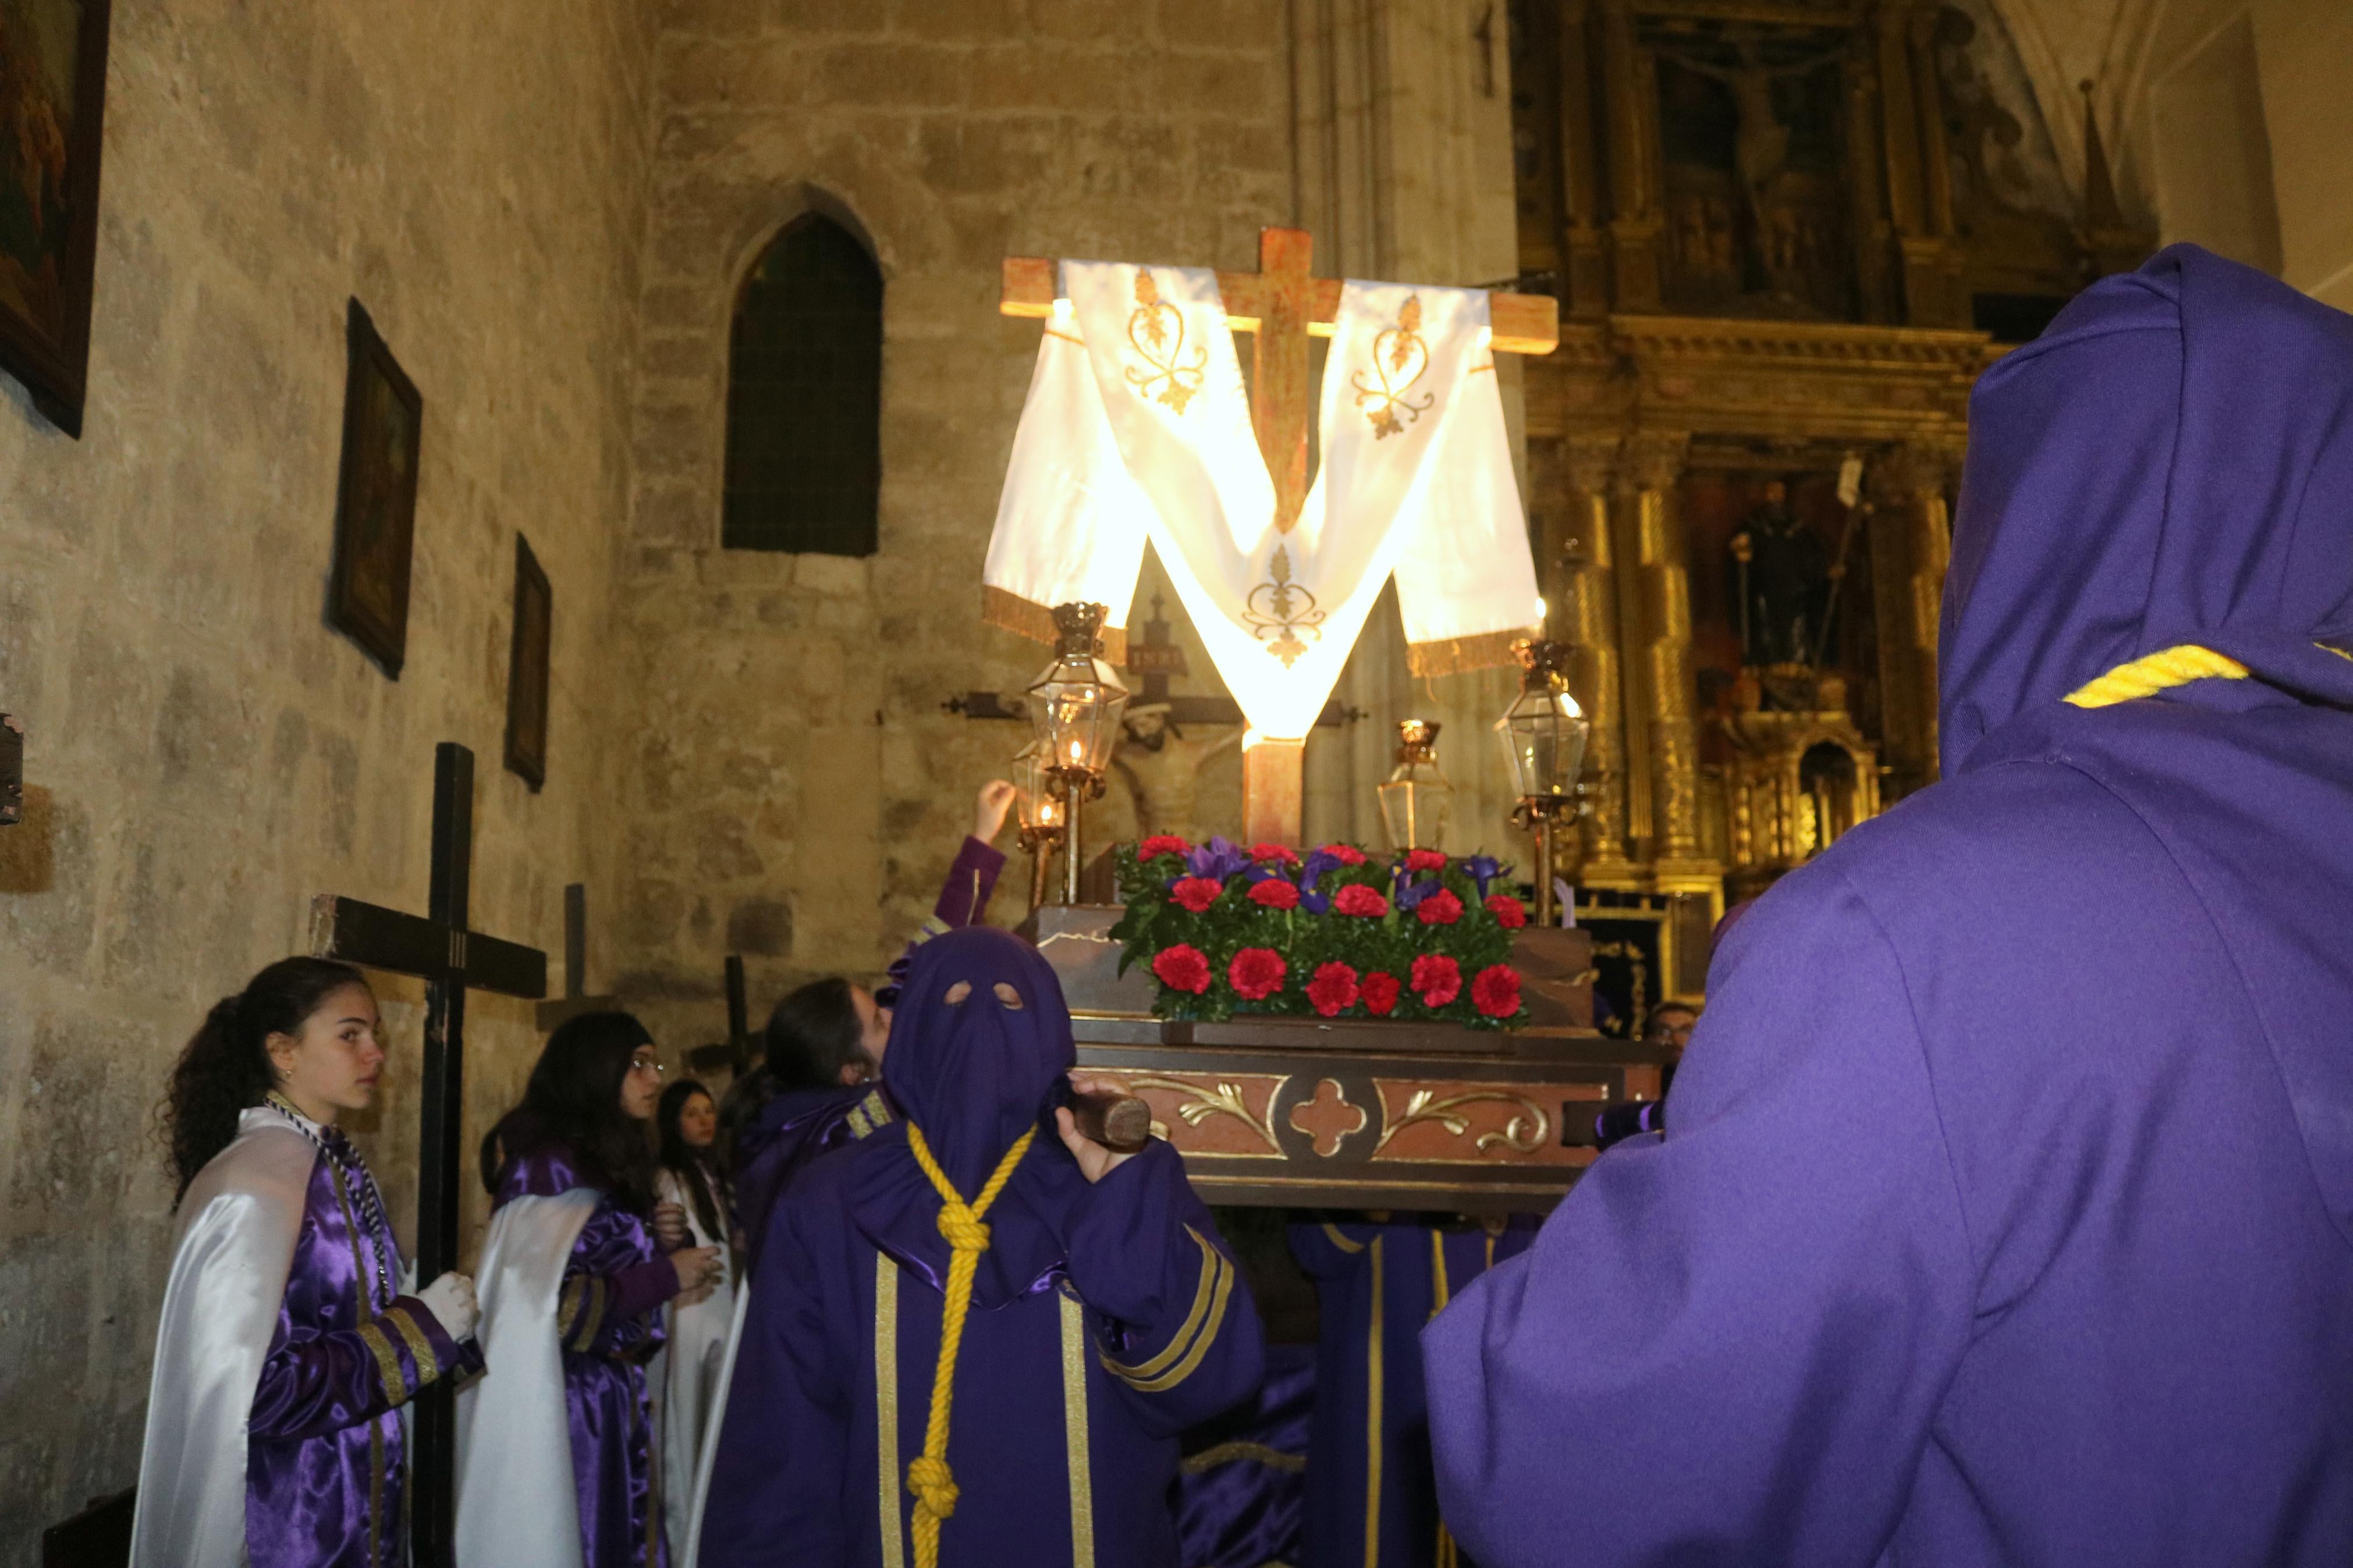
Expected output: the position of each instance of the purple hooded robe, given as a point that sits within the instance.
(1105, 1319)
(2003, 1218)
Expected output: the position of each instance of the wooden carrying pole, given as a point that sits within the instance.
(1283, 304)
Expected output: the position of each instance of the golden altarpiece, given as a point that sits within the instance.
(1787, 236)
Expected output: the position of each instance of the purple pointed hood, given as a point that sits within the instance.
(974, 1074)
(2173, 463)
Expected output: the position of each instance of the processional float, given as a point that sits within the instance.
(1381, 1091)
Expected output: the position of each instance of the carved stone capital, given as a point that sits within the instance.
(1589, 462)
(1915, 469)
(1653, 460)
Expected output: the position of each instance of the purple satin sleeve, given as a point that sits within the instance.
(1182, 1331)
(963, 901)
(316, 1383)
(616, 1280)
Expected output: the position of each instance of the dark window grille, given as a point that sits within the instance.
(804, 396)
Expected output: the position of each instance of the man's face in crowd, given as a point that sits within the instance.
(1671, 1028)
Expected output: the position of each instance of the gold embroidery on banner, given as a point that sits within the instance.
(1225, 1100)
(1524, 1134)
(1077, 1452)
(1399, 359)
(886, 1407)
(1156, 330)
(1281, 606)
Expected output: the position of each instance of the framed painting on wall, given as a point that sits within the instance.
(52, 103)
(534, 609)
(376, 498)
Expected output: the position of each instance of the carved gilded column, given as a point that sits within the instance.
(1587, 294)
(1633, 161)
(1653, 462)
(1934, 466)
(1950, 307)
(1587, 612)
(1911, 534)
(1873, 238)
(1918, 252)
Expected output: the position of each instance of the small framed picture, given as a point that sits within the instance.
(52, 103)
(535, 606)
(375, 498)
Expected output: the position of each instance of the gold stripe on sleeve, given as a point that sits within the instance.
(1341, 1240)
(1212, 1261)
(858, 1126)
(1075, 1443)
(1438, 1292)
(1194, 1357)
(387, 1365)
(877, 1107)
(1373, 1425)
(886, 1407)
(420, 1349)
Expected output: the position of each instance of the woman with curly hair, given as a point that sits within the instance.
(689, 1190)
(274, 1433)
(555, 1459)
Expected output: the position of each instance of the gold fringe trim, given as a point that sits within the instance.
(1008, 611)
(1453, 656)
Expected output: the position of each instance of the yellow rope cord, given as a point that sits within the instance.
(2154, 672)
(928, 1476)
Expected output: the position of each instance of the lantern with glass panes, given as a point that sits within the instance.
(1415, 800)
(1075, 708)
(1544, 733)
(1039, 812)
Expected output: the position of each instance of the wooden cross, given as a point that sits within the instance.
(734, 1053)
(1283, 304)
(575, 999)
(450, 959)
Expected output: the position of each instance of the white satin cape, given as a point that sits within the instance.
(685, 1374)
(234, 1247)
(692, 1553)
(517, 1504)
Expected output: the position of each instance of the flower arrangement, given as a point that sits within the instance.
(1335, 932)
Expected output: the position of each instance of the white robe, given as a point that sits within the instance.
(234, 1247)
(517, 1504)
(685, 1375)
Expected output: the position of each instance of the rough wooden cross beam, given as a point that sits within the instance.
(1283, 304)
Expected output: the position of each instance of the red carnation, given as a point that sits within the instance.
(1283, 853)
(1424, 860)
(1333, 988)
(1379, 992)
(1438, 979)
(1257, 972)
(1161, 844)
(1346, 853)
(1197, 893)
(1356, 899)
(1509, 912)
(1182, 968)
(1495, 991)
(1440, 909)
(1274, 893)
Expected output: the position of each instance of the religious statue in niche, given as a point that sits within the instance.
(1752, 126)
(1779, 576)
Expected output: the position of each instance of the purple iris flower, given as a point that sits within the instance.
(1311, 870)
(1411, 894)
(1218, 860)
(1482, 869)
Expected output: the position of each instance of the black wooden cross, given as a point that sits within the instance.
(451, 959)
(734, 1053)
(575, 999)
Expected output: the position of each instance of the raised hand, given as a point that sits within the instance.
(989, 810)
(696, 1267)
(1094, 1160)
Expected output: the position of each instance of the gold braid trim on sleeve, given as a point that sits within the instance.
(1453, 656)
(420, 1349)
(582, 1312)
(1207, 1316)
(387, 1365)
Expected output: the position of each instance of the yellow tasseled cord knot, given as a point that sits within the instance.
(928, 1476)
(2155, 672)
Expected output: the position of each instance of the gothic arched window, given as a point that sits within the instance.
(804, 396)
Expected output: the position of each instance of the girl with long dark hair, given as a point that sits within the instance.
(556, 1467)
(274, 1434)
(686, 1375)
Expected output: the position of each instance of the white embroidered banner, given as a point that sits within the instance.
(1137, 426)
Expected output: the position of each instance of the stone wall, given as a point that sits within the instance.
(796, 790)
(205, 754)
